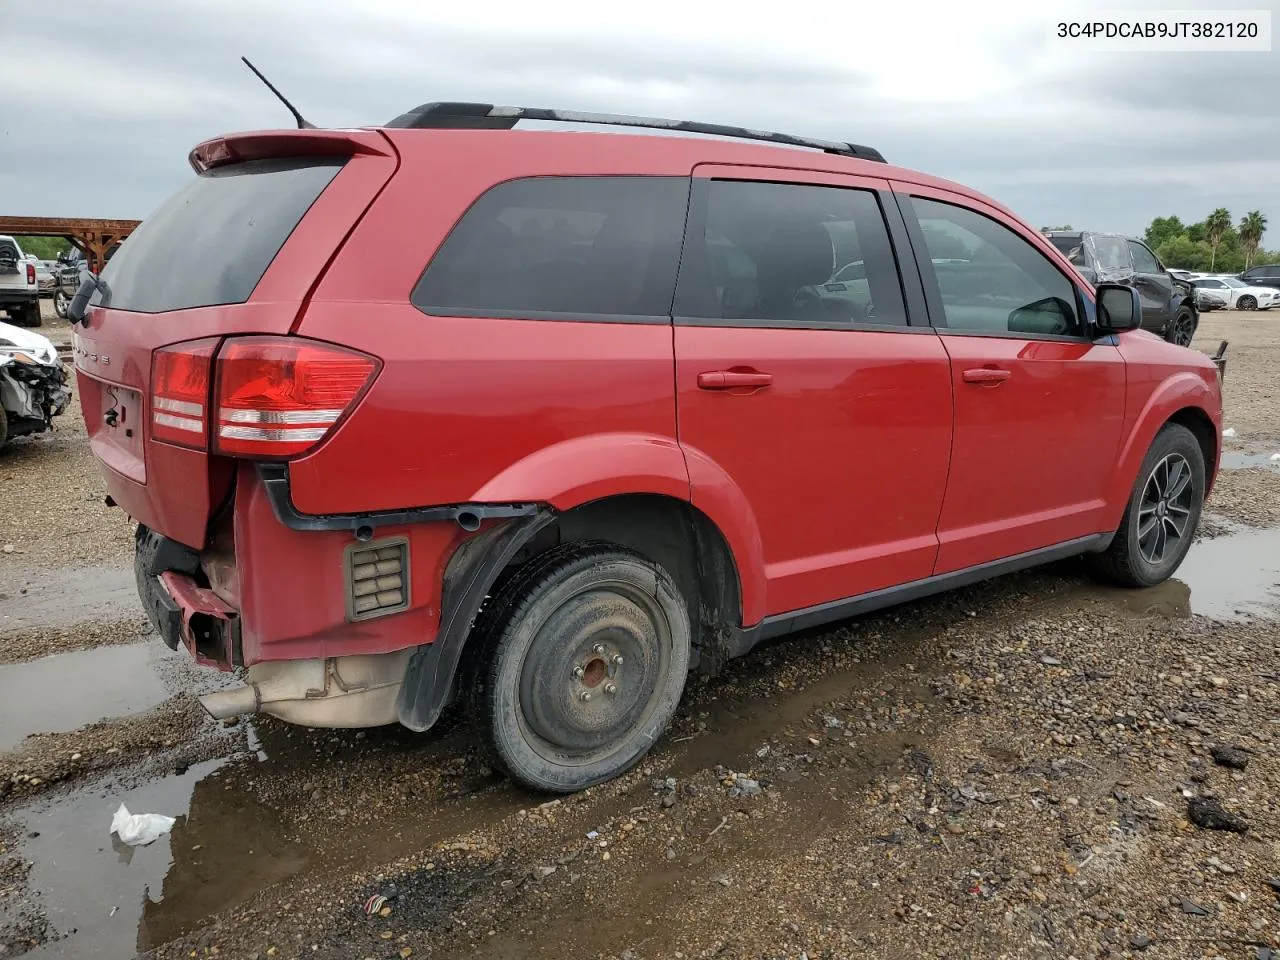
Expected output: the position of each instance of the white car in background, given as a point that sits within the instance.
(1239, 295)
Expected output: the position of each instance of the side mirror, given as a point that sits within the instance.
(1119, 308)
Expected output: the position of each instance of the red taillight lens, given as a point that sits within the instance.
(280, 396)
(180, 393)
(31, 273)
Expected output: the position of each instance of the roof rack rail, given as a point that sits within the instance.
(486, 116)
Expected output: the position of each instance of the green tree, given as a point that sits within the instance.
(1183, 253)
(1162, 229)
(46, 248)
(1252, 226)
(1065, 226)
(1216, 226)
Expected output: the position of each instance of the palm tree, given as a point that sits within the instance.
(1252, 226)
(1215, 227)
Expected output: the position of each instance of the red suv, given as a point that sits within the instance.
(544, 419)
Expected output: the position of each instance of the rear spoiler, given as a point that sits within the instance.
(269, 144)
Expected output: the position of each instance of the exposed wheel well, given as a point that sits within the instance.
(676, 535)
(1198, 422)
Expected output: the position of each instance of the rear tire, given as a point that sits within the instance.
(581, 660)
(1162, 515)
(4, 429)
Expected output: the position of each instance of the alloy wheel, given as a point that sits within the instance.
(1164, 513)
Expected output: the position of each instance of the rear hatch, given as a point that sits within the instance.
(233, 254)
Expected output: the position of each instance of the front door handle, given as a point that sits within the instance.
(733, 379)
(989, 376)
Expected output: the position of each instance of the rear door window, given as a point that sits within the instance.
(790, 254)
(577, 248)
(211, 242)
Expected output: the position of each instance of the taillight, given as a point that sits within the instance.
(31, 273)
(280, 396)
(180, 393)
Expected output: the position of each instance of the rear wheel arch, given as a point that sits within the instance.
(666, 530)
(679, 537)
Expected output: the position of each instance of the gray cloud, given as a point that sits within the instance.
(124, 90)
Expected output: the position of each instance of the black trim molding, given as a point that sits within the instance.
(275, 479)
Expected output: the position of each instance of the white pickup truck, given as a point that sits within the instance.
(19, 288)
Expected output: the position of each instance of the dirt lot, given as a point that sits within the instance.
(1005, 771)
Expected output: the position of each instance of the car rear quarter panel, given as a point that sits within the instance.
(294, 606)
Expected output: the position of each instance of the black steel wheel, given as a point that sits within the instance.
(1163, 512)
(581, 661)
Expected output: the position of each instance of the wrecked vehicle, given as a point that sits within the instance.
(33, 383)
(19, 285)
(1170, 307)
(541, 421)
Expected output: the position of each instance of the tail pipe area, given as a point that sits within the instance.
(359, 691)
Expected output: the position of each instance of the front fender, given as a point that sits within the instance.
(1179, 392)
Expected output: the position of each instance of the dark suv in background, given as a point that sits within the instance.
(1168, 304)
(1267, 275)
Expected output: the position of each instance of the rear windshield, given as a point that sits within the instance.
(211, 242)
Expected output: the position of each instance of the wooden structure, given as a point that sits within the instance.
(95, 238)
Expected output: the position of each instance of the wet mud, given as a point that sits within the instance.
(288, 807)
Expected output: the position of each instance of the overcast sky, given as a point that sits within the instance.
(104, 98)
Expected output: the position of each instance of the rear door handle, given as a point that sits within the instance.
(733, 379)
(985, 375)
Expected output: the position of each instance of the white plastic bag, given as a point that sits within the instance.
(139, 829)
(1229, 432)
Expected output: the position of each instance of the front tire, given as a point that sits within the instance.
(1162, 515)
(60, 303)
(581, 662)
(1247, 303)
(1183, 328)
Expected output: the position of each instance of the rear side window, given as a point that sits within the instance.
(785, 253)
(211, 242)
(562, 247)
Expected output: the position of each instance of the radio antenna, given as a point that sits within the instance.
(302, 124)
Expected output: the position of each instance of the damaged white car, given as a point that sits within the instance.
(33, 383)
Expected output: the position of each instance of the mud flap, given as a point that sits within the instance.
(471, 573)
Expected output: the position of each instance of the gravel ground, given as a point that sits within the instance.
(1004, 771)
(53, 477)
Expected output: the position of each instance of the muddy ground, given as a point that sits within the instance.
(1005, 771)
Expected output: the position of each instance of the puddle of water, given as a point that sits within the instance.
(119, 900)
(1246, 461)
(1235, 575)
(68, 690)
(62, 597)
